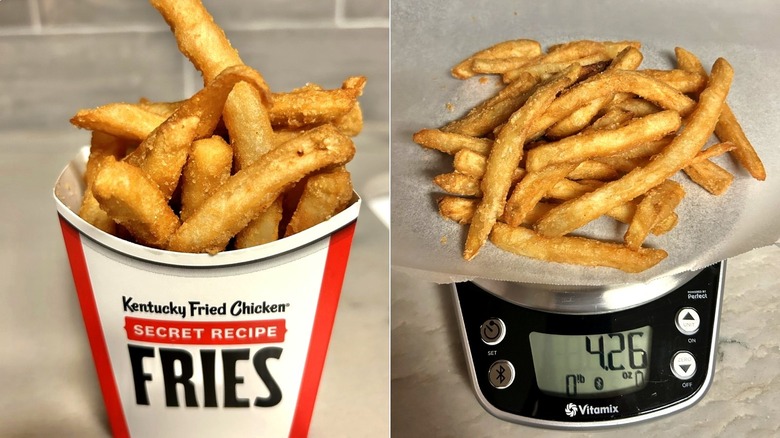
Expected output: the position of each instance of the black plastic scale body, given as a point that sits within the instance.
(559, 366)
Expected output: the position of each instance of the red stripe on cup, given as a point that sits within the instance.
(97, 341)
(330, 291)
(205, 332)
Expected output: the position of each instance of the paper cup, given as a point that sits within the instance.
(199, 345)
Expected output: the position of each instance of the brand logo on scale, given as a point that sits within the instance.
(573, 409)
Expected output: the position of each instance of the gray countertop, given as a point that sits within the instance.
(49, 386)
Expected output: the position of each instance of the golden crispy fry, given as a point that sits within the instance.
(713, 151)
(566, 189)
(603, 142)
(209, 50)
(682, 80)
(728, 128)
(658, 203)
(249, 192)
(163, 109)
(498, 65)
(628, 59)
(495, 111)
(263, 229)
(473, 164)
(314, 107)
(119, 119)
(461, 210)
(527, 49)
(350, 123)
(609, 83)
(450, 142)
(208, 167)
(505, 157)
(637, 107)
(458, 184)
(134, 201)
(164, 152)
(645, 150)
(709, 176)
(611, 119)
(531, 189)
(324, 195)
(576, 250)
(102, 145)
(575, 213)
(592, 169)
(543, 70)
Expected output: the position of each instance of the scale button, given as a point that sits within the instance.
(492, 331)
(683, 365)
(501, 374)
(687, 320)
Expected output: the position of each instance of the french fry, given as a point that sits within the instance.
(592, 169)
(163, 109)
(628, 59)
(457, 183)
(727, 128)
(248, 193)
(134, 201)
(709, 176)
(206, 46)
(576, 250)
(508, 49)
(163, 153)
(609, 83)
(505, 157)
(473, 164)
(604, 142)
(531, 189)
(324, 195)
(315, 107)
(495, 111)
(450, 142)
(102, 145)
(543, 70)
(119, 119)
(208, 167)
(263, 229)
(577, 212)
(713, 151)
(682, 80)
(657, 204)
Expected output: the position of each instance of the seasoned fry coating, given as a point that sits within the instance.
(324, 195)
(577, 250)
(604, 142)
(710, 176)
(505, 157)
(575, 213)
(657, 204)
(525, 49)
(531, 189)
(450, 142)
(249, 192)
(264, 229)
(495, 111)
(207, 168)
(314, 107)
(119, 119)
(102, 145)
(458, 184)
(135, 202)
(164, 152)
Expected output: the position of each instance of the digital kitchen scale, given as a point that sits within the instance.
(591, 356)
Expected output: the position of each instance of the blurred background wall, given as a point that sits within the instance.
(57, 56)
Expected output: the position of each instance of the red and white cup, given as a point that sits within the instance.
(198, 345)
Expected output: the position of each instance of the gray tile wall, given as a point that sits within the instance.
(57, 56)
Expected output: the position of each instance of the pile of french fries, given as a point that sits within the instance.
(233, 166)
(580, 132)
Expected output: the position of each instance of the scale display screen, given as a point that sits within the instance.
(594, 365)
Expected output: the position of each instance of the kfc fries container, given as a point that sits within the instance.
(197, 345)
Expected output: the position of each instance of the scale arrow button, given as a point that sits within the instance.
(687, 321)
(683, 365)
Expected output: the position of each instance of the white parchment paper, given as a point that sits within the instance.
(430, 37)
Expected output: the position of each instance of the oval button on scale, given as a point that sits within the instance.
(492, 331)
(683, 365)
(687, 321)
